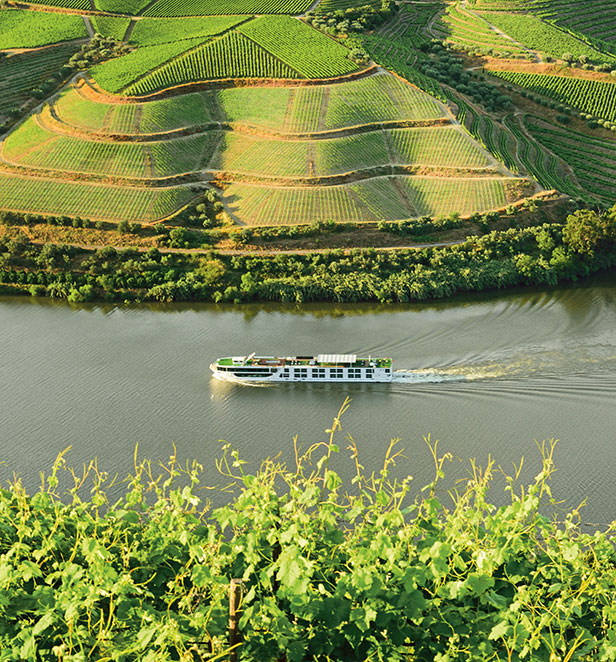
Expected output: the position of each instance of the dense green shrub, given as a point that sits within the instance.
(499, 259)
(330, 571)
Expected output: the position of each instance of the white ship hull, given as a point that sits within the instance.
(310, 374)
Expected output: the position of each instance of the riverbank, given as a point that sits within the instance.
(536, 255)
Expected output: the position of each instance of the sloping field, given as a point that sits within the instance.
(131, 7)
(268, 47)
(308, 51)
(19, 74)
(544, 166)
(150, 31)
(231, 56)
(27, 29)
(213, 7)
(117, 74)
(590, 96)
(364, 148)
(438, 147)
(595, 18)
(326, 6)
(371, 100)
(388, 198)
(152, 117)
(541, 36)
(460, 27)
(110, 26)
(90, 201)
(35, 147)
(593, 160)
(71, 4)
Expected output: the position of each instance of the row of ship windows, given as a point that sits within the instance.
(303, 372)
(334, 373)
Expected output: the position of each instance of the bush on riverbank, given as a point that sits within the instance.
(330, 571)
(540, 255)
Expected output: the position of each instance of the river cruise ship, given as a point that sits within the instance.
(321, 368)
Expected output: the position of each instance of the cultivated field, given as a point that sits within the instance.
(294, 121)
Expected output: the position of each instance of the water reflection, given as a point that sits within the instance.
(486, 374)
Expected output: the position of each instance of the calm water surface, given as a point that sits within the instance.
(486, 375)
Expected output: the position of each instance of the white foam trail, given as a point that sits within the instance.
(424, 377)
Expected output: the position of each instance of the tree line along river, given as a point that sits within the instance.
(486, 375)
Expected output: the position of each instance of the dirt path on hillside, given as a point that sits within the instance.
(498, 31)
(89, 27)
(257, 252)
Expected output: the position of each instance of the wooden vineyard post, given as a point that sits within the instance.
(235, 602)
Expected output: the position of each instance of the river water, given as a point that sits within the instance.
(485, 375)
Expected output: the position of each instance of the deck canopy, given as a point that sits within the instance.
(337, 358)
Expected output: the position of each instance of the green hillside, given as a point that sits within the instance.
(352, 113)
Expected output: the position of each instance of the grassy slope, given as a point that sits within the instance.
(28, 29)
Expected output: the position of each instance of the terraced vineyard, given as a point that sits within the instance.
(36, 147)
(150, 31)
(309, 52)
(593, 160)
(116, 75)
(289, 109)
(20, 74)
(231, 56)
(90, 200)
(305, 137)
(541, 36)
(595, 18)
(289, 123)
(595, 97)
(70, 4)
(27, 29)
(110, 26)
(460, 26)
(216, 7)
(386, 198)
(544, 166)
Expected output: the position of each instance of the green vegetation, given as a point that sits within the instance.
(159, 30)
(538, 255)
(36, 147)
(541, 36)
(289, 151)
(150, 117)
(306, 50)
(376, 99)
(593, 160)
(472, 32)
(330, 569)
(131, 7)
(586, 19)
(326, 6)
(30, 75)
(71, 4)
(353, 19)
(388, 198)
(214, 7)
(110, 26)
(231, 56)
(542, 165)
(94, 201)
(592, 96)
(115, 75)
(393, 54)
(595, 18)
(29, 29)
(437, 147)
